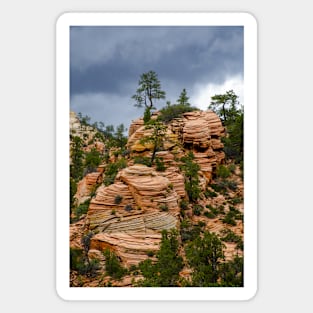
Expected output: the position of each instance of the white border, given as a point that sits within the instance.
(62, 155)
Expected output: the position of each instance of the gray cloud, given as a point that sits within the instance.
(108, 61)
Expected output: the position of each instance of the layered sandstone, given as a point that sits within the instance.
(87, 185)
(129, 215)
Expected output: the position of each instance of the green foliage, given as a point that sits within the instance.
(171, 111)
(235, 201)
(210, 194)
(80, 263)
(92, 160)
(165, 272)
(76, 168)
(73, 189)
(230, 236)
(232, 168)
(163, 207)
(204, 255)
(147, 115)
(234, 140)
(142, 160)
(224, 105)
(190, 169)
(183, 204)
(197, 209)
(222, 186)
(232, 116)
(222, 171)
(216, 210)
(80, 210)
(128, 208)
(112, 170)
(209, 214)
(232, 215)
(118, 199)
(231, 273)
(188, 231)
(86, 242)
(84, 120)
(183, 99)
(148, 91)
(150, 254)
(160, 166)
(113, 266)
(156, 138)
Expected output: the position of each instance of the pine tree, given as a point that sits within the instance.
(183, 99)
(149, 90)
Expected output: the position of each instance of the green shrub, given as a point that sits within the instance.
(229, 220)
(232, 215)
(223, 185)
(232, 168)
(209, 214)
(113, 266)
(223, 171)
(160, 166)
(236, 200)
(230, 236)
(81, 210)
(210, 194)
(112, 170)
(80, 263)
(197, 209)
(172, 111)
(142, 160)
(183, 204)
(163, 207)
(118, 199)
(129, 208)
(150, 253)
(165, 272)
(190, 169)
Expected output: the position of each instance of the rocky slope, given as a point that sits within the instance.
(128, 216)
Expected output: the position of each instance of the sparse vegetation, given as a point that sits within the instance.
(118, 199)
(113, 265)
(165, 272)
(163, 207)
(190, 169)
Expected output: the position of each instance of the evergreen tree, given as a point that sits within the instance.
(190, 169)
(156, 138)
(183, 99)
(224, 105)
(204, 255)
(165, 272)
(227, 107)
(149, 90)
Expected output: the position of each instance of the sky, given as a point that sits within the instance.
(106, 63)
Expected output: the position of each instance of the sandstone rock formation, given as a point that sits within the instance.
(87, 185)
(129, 215)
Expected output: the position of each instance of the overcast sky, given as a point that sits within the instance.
(106, 64)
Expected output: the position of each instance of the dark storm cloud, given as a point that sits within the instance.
(110, 60)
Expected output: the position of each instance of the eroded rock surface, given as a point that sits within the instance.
(129, 215)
